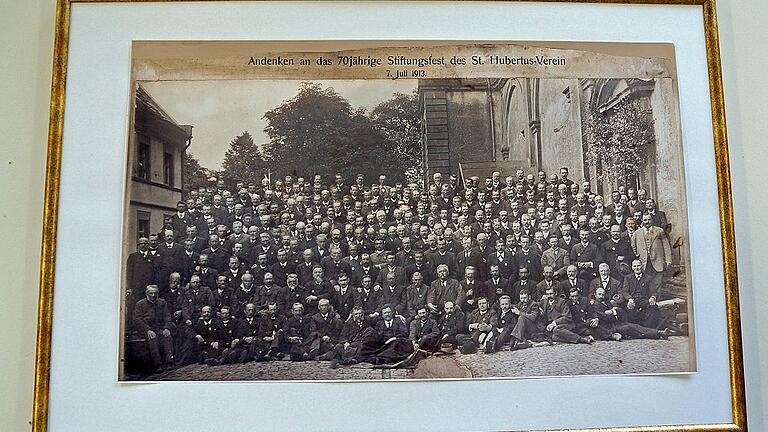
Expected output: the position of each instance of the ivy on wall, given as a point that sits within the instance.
(617, 140)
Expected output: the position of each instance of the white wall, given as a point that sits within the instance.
(26, 38)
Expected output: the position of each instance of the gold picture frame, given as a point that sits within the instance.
(51, 201)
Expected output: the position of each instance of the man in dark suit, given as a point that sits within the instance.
(368, 299)
(469, 256)
(195, 297)
(415, 295)
(316, 289)
(206, 335)
(333, 265)
(221, 295)
(282, 268)
(557, 320)
(480, 324)
(503, 259)
(218, 258)
(443, 257)
(443, 289)
(422, 328)
(472, 289)
(326, 330)
(343, 299)
(606, 281)
(189, 259)
(496, 286)
(393, 294)
(180, 221)
(366, 269)
(658, 217)
(391, 267)
(526, 257)
(640, 299)
(152, 319)
(586, 257)
(523, 283)
(571, 281)
(618, 254)
(422, 266)
(139, 273)
(393, 338)
(171, 259)
(297, 330)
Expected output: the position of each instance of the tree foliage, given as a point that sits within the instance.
(194, 175)
(398, 120)
(319, 132)
(618, 139)
(243, 161)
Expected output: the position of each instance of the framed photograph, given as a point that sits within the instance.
(476, 216)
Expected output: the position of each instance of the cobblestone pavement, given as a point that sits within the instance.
(632, 356)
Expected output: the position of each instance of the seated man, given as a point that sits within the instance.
(581, 313)
(206, 330)
(393, 337)
(326, 329)
(640, 299)
(271, 338)
(507, 320)
(605, 281)
(480, 323)
(557, 320)
(422, 328)
(251, 323)
(368, 299)
(613, 319)
(298, 330)
(229, 334)
(357, 341)
(152, 319)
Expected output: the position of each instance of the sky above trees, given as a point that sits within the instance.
(222, 110)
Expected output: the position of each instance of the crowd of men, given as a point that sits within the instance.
(324, 270)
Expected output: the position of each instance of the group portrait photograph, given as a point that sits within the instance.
(431, 228)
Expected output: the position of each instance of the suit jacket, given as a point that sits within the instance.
(475, 317)
(559, 259)
(541, 288)
(581, 311)
(404, 259)
(566, 285)
(613, 286)
(491, 290)
(419, 329)
(439, 294)
(304, 272)
(394, 297)
(194, 301)
(208, 277)
(478, 289)
(506, 264)
(152, 316)
(397, 329)
(400, 277)
(589, 253)
(448, 259)
(530, 260)
(370, 301)
(519, 285)
(209, 330)
(611, 253)
(280, 272)
(473, 258)
(371, 271)
(218, 259)
(229, 331)
(558, 311)
(659, 219)
(218, 299)
(652, 244)
(171, 258)
(568, 245)
(638, 289)
(189, 264)
(140, 272)
(415, 298)
(426, 269)
(301, 327)
(343, 303)
(326, 326)
(332, 269)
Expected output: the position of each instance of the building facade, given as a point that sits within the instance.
(592, 126)
(155, 158)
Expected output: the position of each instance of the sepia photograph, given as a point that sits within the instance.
(423, 227)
